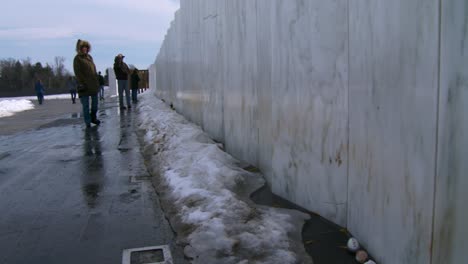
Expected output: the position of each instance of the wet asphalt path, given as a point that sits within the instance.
(72, 195)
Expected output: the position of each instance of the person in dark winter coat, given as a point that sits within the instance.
(121, 73)
(101, 86)
(135, 79)
(88, 84)
(39, 91)
(71, 84)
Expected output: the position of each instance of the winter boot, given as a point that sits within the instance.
(94, 119)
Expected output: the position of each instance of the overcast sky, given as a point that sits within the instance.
(43, 29)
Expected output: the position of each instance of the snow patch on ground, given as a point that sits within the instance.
(206, 195)
(50, 97)
(11, 106)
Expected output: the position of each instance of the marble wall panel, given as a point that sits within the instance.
(170, 64)
(309, 104)
(193, 87)
(160, 79)
(161, 70)
(112, 80)
(240, 69)
(183, 105)
(211, 68)
(451, 214)
(337, 103)
(176, 74)
(263, 85)
(392, 116)
(152, 78)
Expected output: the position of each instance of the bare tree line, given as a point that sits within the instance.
(17, 77)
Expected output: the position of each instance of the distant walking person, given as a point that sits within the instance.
(121, 73)
(39, 90)
(71, 84)
(101, 86)
(88, 84)
(135, 80)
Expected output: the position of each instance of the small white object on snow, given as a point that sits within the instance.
(353, 245)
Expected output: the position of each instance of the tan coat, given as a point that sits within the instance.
(85, 71)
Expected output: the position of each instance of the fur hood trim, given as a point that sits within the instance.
(81, 43)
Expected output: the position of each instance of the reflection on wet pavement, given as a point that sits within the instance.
(66, 197)
(92, 178)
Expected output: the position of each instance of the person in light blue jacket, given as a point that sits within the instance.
(39, 91)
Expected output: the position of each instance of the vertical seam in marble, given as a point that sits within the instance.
(436, 155)
(348, 125)
(255, 81)
(220, 28)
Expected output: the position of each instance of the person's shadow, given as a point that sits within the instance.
(92, 179)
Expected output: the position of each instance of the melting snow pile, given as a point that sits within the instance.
(206, 195)
(10, 107)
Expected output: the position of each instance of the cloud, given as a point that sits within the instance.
(35, 33)
(48, 28)
(120, 20)
(155, 7)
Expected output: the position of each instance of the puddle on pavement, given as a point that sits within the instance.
(59, 123)
(130, 196)
(4, 155)
(91, 192)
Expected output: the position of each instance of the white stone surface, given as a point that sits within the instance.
(341, 106)
(451, 214)
(112, 81)
(263, 85)
(240, 69)
(152, 78)
(174, 62)
(309, 105)
(211, 67)
(392, 117)
(194, 83)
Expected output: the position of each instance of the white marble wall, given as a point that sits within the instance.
(240, 69)
(193, 85)
(392, 115)
(451, 214)
(212, 48)
(264, 87)
(112, 81)
(176, 62)
(152, 78)
(160, 71)
(338, 103)
(309, 104)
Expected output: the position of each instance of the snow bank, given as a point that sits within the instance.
(10, 107)
(206, 195)
(46, 97)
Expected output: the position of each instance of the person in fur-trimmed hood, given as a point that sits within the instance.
(88, 84)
